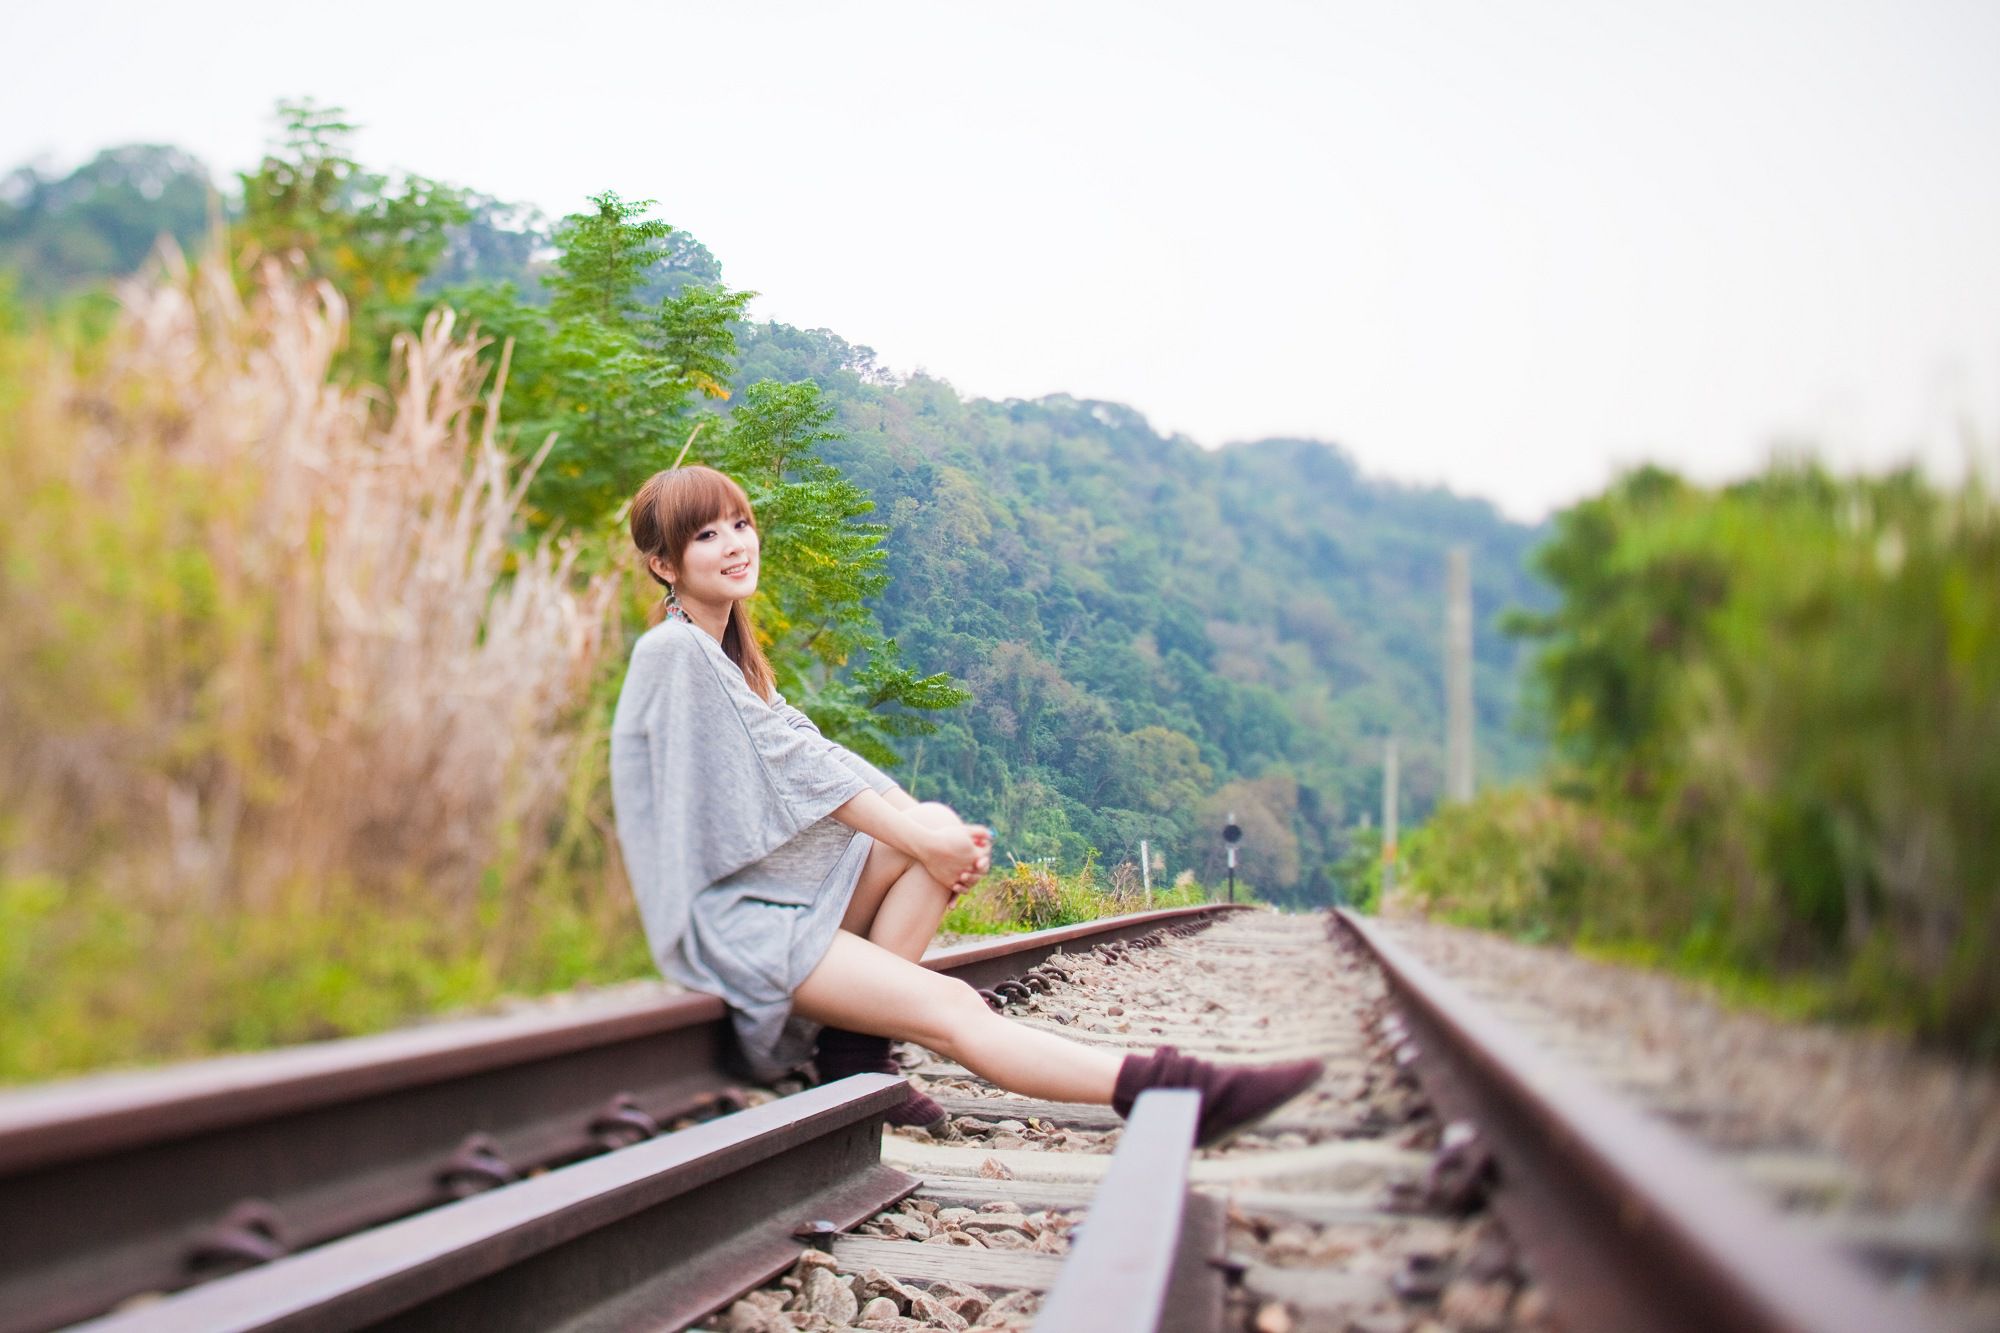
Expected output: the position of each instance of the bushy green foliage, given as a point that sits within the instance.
(1031, 896)
(1780, 707)
(374, 238)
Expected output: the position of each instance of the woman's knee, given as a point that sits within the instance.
(935, 812)
(961, 1014)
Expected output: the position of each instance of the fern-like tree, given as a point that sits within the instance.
(823, 562)
(620, 379)
(373, 237)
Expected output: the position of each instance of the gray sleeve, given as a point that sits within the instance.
(876, 779)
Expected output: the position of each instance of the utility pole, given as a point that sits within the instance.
(1388, 819)
(1458, 676)
(1146, 870)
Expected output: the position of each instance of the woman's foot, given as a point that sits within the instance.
(843, 1053)
(1232, 1096)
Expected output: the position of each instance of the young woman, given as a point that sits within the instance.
(793, 879)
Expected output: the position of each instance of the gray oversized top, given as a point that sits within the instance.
(722, 804)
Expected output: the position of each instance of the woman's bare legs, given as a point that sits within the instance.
(863, 987)
(896, 903)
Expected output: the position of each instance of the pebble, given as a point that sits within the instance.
(823, 1293)
(1477, 1307)
(1273, 1318)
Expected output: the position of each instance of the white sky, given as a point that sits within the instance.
(1506, 247)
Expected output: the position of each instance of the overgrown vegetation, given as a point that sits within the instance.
(1029, 895)
(1153, 635)
(290, 703)
(1779, 707)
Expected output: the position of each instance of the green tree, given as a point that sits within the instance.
(618, 377)
(375, 239)
(824, 562)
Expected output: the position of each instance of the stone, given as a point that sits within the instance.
(968, 1308)
(1272, 1317)
(1533, 1312)
(1015, 1305)
(1476, 1307)
(745, 1317)
(873, 1284)
(809, 1321)
(1290, 1242)
(949, 1289)
(879, 1308)
(904, 1226)
(1004, 1238)
(993, 1169)
(933, 1311)
(824, 1293)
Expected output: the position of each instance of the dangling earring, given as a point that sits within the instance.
(674, 611)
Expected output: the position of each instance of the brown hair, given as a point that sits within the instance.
(667, 512)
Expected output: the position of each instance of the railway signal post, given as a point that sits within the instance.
(1232, 833)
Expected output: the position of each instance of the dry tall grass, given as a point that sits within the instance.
(264, 628)
(266, 637)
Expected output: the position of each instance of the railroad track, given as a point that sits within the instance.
(214, 1177)
(1442, 1171)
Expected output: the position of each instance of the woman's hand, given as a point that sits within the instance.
(956, 856)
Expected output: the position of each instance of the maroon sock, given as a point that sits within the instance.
(843, 1053)
(1232, 1096)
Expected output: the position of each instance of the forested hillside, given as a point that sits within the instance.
(1152, 635)
(1155, 634)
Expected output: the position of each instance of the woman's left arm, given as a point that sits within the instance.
(883, 784)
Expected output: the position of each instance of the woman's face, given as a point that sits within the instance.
(719, 566)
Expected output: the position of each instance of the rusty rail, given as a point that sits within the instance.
(115, 1185)
(1629, 1224)
(658, 1235)
(1145, 1258)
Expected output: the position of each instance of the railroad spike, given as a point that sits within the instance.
(621, 1123)
(475, 1168)
(1462, 1172)
(250, 1233)
(818, 1233)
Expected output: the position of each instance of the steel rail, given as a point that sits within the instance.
(1628, 1224)
(113, 1185)
(658, 1235)
(1144, 1259)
